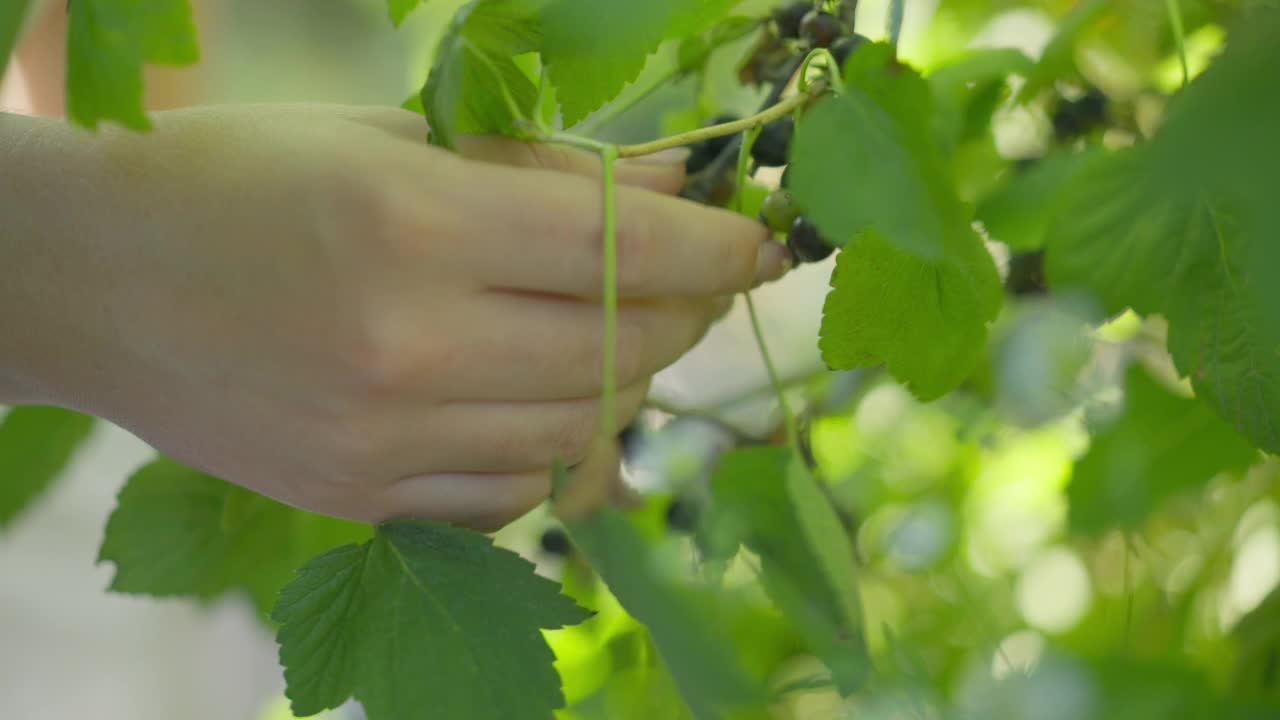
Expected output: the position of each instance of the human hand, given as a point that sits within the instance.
(310, 302)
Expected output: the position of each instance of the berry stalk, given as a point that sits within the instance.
(788, 417)
(702, 187)
(609, 370)
(773, 112)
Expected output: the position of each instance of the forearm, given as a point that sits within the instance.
(47, 269)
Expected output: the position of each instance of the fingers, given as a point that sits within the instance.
(504, 437)
(516, 347)
(489, 499)
(663, 173)
(666, 246)
(402, 123)
(593, 482)
(483, 502)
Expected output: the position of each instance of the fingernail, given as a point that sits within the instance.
(772, 262)
(670, 156)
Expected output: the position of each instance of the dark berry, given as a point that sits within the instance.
(779, 211)
(1026, 274)
(774, 142)
(787, 19)
(847, 11)
(841, 49)
(806, 243)
(1024, 165)
(701, 154)
(1074, 118)
(555, 541)
(819, 29)
(632, 439)
(682, 515)
(720, 143)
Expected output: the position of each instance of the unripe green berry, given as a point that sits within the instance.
(779, 211)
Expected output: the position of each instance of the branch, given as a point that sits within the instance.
(760, 119)
(702, 185)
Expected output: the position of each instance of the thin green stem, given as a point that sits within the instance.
(609, 369)
(831, 66)
(897, 13)
(1174, 8)
(513, 107)
(539, 105)
(578, 141)
(760, 119)
(788, 417)
(744, 163)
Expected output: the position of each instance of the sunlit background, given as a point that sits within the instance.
(961, 510)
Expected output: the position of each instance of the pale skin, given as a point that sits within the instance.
(313, 303)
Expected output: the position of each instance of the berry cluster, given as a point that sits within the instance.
(794, 30)
(781, 215)
(1079, 117)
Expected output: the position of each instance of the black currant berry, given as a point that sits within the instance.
(701, 154)
(806, 243)
(720, 143)
(631, 438)
(1074, 118)
(779, 211)
(774, 142)
(1026, 274)
(682, 515)
(555, 541)
(841, 49)
(819, 29)
(787, 19)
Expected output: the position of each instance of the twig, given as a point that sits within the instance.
(760, 119)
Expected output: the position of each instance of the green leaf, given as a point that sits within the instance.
(1018, 212)
(869, 157)
(915, 287)
(682, 618)
(36, 443)
(594, 48)
(1186, 226)
(424, 621)
(806, 558)
(108, 42)
(924, 320)
(474, 85)
(1257, 640)
(12, 17)
(178, 531)
(1057, 61)
(400, 9)
(968, 90)
(1161, 444)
